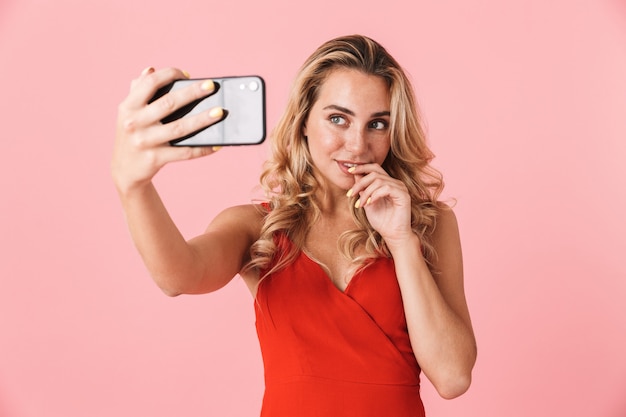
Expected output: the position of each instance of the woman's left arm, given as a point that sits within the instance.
(436, 309)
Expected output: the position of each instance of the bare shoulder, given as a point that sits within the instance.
(446, 226)
(247, 219)
(447, 243)
(238, 227)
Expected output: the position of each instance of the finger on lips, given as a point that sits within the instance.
(369, 185)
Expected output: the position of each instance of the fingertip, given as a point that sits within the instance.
(216, 112)
(207, 85)
(147, 70)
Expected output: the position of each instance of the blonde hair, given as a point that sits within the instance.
(288, 175)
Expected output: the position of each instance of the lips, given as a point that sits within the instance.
(346, 165)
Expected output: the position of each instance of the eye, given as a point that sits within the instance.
(379, 125)
(337, 120)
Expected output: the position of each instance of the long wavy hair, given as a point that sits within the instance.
(288, 175)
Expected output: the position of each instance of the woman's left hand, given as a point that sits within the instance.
(386, 202)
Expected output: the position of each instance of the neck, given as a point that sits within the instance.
(332, 201)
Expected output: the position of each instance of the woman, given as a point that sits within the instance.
(354, 265)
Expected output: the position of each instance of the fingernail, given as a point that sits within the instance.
(351, 169)
(147, 71)
(349, 193)
(207, 85)
(216, 112)
(216, 148)
(358, 203)
(186, 74)
(369, 200)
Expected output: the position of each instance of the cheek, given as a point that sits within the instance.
(331, 142)
(324, 139)
(381, 150)
(319, 149)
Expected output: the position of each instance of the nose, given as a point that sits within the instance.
(356, 141)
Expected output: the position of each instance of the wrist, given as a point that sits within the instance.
(128, 190)
(409, 243)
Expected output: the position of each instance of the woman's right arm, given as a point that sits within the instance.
(141, 150)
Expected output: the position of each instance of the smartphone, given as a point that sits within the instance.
(242, 98)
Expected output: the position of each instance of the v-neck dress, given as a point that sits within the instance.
(333, 353)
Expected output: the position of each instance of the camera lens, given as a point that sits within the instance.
(253, 85)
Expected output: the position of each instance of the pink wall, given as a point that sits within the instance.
(526, 108)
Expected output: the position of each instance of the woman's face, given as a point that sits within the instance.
(348, 125)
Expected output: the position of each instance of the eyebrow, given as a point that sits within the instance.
(351, 113)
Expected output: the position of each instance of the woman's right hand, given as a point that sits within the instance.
(142, 142)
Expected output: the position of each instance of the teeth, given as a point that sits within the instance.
(350, 165)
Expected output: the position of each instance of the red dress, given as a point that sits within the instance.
(333, 353)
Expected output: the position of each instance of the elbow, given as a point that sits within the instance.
(170, 292)
(454, 387)
(454, 381)
(175, 287)
(169, 287)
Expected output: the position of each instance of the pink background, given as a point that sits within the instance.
(526, 108)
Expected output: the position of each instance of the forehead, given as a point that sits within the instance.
(352, 88)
